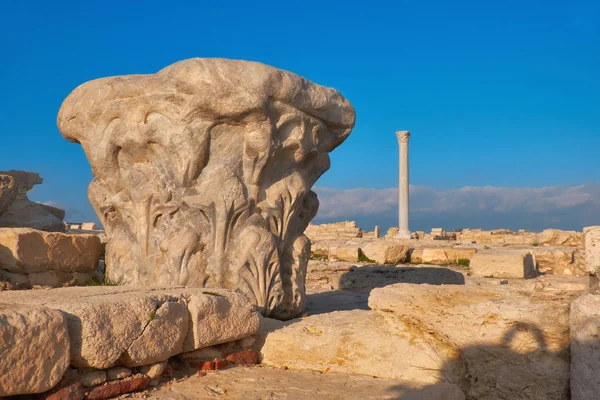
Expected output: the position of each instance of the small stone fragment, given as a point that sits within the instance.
(153, 371)
(93, 378)
(115, 373)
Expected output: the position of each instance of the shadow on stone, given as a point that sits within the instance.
(336, 300)
(364, 279)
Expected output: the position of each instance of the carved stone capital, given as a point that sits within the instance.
(403, 136)
(202, 174)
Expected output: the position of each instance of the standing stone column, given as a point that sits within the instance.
(403, 202)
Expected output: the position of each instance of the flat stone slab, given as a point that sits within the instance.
(510, 342)
(34, 349)
(33, 257)
(585, 347)
(503, 264)
(244, 383)
(135, 326)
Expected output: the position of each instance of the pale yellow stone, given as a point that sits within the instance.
(503, 264)
(34, 348)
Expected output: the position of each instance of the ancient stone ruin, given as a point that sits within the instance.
(17, 211)
(202, 174)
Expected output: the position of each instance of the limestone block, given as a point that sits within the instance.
(435, 255)
(24, 213)
(88, 226)
(344, 252)
(34, 348)
(557, 237)
(219, 316)
(170, 323)
(509, 342)
(25, 250)
(585, 347)
(358, 342)
(592, 248)
(30, 257)
(202, 174)
(385, 251)
(557, 261)
(503, 264)
(111, 326)
(416, 255)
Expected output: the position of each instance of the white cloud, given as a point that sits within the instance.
(582, 203)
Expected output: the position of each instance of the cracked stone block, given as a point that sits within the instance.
(131, 326)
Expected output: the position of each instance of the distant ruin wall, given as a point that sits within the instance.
(336, 231)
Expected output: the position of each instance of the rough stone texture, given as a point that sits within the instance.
(111, 326)
(112, 374)
(33, 257)
(34, 349)
(8, 192)
(440, 255)
(162, 337)
(268, 383)
(592, 248)
(503, 264)
(355, 342)
(557, 237)
(24, 213)
(203, 174)
(585, 347)
(507, 342)
(153, 371)
(346, 276)
(385, 251)
(93, 378)
(558, 261)
(337, 231)
(344, 252)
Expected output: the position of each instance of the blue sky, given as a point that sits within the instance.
(502, 94)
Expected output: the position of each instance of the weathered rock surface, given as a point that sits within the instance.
(503, 264)
(203, 174)
(557, 237)
(34, 349)
(585, 347)
(344, 252)
(24, 213)
(269, 383)
(8, 192)
(505, 342)
(346, 276)
(592, 248)
(355, 342)
(32, 257)
(441, 255)
(559, 261)
(128, 326)
(385, 251)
